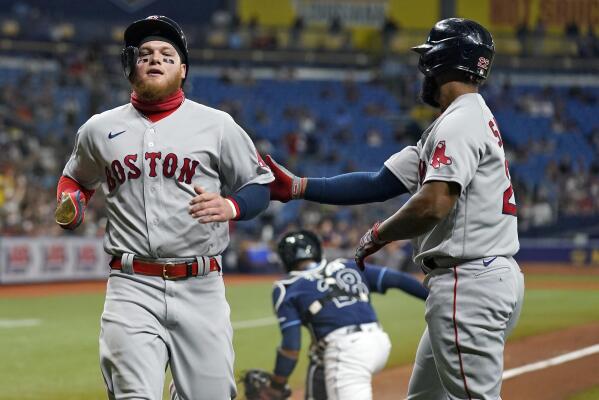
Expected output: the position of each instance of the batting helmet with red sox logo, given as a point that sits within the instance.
(457, 43)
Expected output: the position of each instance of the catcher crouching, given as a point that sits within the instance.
(331, 299)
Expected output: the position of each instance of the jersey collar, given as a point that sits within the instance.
(312, 268)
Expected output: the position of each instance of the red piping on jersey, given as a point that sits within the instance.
(455, 330)
(66, 184)
(156, 110)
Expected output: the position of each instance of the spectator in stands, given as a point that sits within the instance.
(388, 31)
(335, 26)
(523, 34)
(571, 30)
(295, 33)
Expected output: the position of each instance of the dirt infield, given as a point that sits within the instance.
(553, 383)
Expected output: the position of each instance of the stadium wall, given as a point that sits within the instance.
(45, 259)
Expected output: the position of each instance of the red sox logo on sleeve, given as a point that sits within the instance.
(439, 156)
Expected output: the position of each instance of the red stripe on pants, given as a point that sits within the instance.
(455, 330)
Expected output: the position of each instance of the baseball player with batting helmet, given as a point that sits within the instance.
(331, 299)
(174, 173)
(461, 217)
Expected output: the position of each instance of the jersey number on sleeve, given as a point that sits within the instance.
(508, 208)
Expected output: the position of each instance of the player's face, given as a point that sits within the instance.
(430, 91)
(158, 72)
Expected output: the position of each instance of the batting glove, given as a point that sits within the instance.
(369, 244)
(286, 185)
(70, 210)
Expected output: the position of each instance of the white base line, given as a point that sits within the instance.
(254, 323)
(587, 351)
(19, 323)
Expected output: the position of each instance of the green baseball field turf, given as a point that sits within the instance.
(49, 345)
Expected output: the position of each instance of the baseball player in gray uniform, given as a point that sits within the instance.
(174, 172)
(461, 217)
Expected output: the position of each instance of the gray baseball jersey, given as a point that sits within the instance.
(148, 171)
(476, 296)
(464, 146)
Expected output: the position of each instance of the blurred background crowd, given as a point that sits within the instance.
(320, 97)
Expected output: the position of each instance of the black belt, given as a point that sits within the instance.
(430, 263)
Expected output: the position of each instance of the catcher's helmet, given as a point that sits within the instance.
(457, 43)
(154, 25)
(299, 245)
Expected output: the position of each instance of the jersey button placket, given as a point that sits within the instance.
(151, 185)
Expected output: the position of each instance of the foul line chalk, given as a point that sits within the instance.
(564, 358)
(19, 323)
(254, 323)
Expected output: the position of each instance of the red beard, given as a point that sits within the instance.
(150, 91)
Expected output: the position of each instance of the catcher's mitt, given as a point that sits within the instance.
(258, 385)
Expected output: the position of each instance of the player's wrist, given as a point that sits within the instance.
(233, 206)
(278, 382)
(376, 234)
(298, 187)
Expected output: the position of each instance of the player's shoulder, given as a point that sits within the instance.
(108, 118)
(467, 115)
(282, 289)
(205, 111)
(287, 281)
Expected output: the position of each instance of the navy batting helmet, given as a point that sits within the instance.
(459, 44)
(299, 245)
(155, 25)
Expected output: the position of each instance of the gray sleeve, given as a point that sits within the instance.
(82, 165)
(457, 150)
(404, 165)
(240, 164)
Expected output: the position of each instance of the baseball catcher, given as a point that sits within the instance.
(332, 299)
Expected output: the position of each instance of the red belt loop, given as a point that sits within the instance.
(168, 270)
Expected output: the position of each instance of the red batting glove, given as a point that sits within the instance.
(70, 210)
(369, 244)
(286, 185)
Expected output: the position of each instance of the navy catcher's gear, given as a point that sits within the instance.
(459, 44)
(154, 25)
(297, 246)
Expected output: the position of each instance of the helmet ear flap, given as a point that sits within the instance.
(129, 57)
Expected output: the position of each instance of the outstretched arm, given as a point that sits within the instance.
(381, 279)
(345, 189)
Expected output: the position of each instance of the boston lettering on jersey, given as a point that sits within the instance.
(119, 172)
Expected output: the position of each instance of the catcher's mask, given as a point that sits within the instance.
(459, 44)
(297, 246)
(154, 25)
